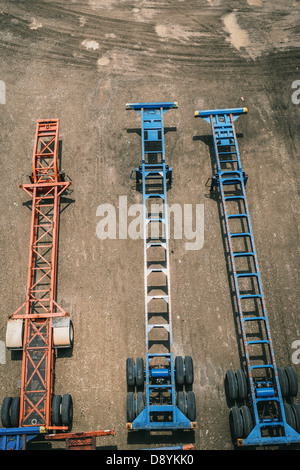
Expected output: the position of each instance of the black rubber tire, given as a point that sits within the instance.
(179, 371)
(189, 370)
(130, 407)
(247, 420)
(130, 372)
(292, 381)
(71, 334)
(231, 385)
(15, 412)
(242, 384)
(140, 405)
(139, 367)
(56, 413)
(236, 423)
(283, 380)
(67, 410)
(191, 406)
(296, 410)
(181, 403)
(5, 412)
(289, 415)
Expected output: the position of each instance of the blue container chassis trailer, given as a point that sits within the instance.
(262, 394)
(156, 399)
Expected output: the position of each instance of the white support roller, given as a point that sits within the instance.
(14, 334)
(63, 332)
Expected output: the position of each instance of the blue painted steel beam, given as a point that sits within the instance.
(16, 438)
(235, 112)
(158, 105)
(179, 421)
(255, 437)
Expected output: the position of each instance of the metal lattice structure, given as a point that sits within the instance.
(35, 319)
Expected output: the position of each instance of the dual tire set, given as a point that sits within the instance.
(62, 410)
(184, 376)
(10, 412)
(289, 389)
(240, 417)
(135, 379)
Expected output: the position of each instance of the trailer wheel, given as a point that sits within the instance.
(67, 410)
(283, 381)
(56, 415)
(189, 370)
(242, 384)
(130, 407)
(236, 423)
(139, 403)
(231, 385)
(5, 412)
(296, 410)
(181, 404)
(15, 412)
(191, 406)
(179, 372)
(289, 415)
(292, 381)
(63, 332)
(130, 372)
(14, 334)
(247, 420)
(139, 372)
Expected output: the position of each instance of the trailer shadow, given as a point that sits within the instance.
(161, 438)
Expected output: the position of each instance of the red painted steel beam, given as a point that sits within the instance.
(79, 435)
(80, 440)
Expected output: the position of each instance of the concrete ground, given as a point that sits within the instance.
(81, 62)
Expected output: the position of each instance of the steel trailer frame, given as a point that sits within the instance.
(268, 420)
(80, 440)
(40, 310)
(160, 411)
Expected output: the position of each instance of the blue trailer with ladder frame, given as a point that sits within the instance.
(156, 399)
(262, 394)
